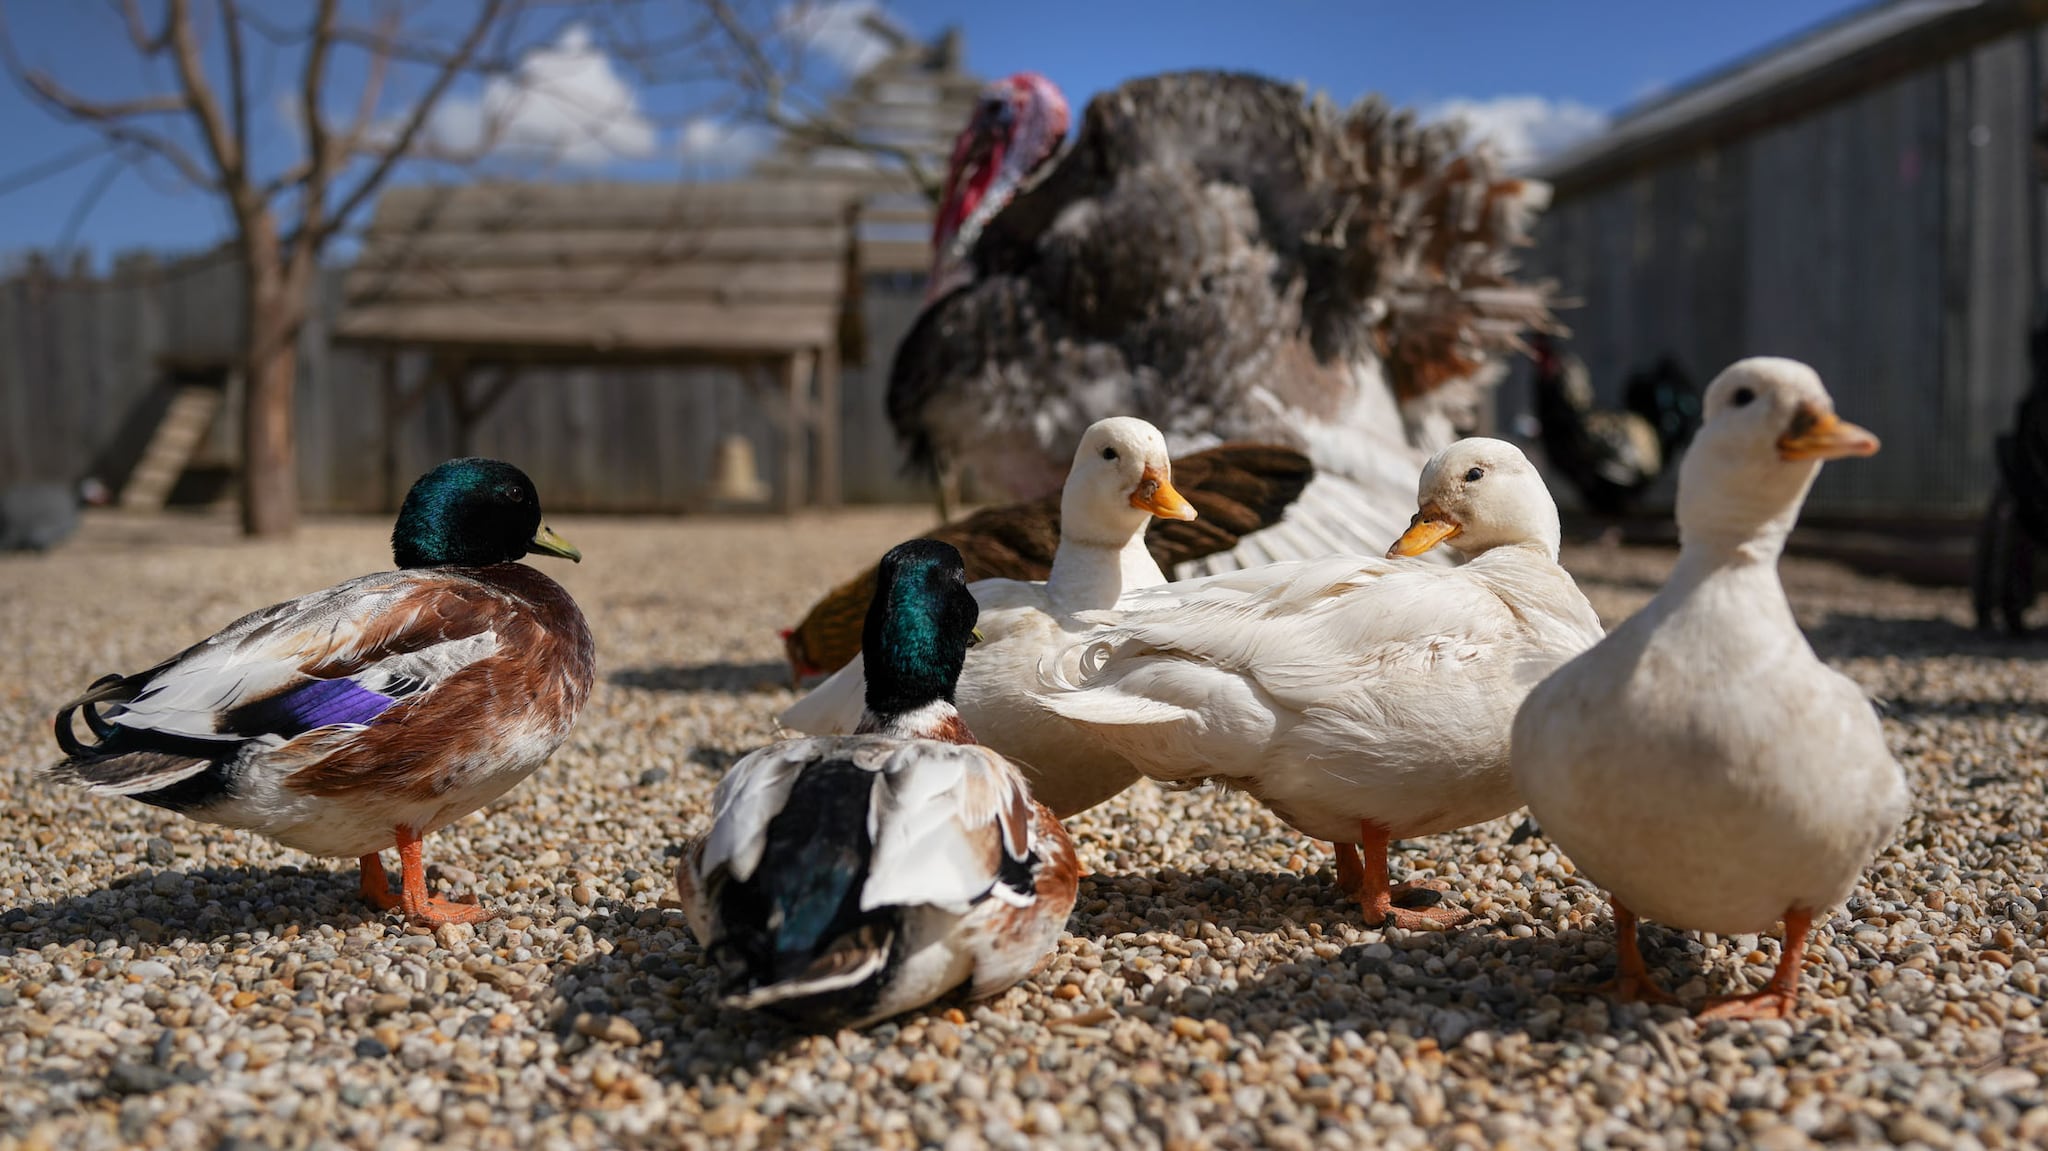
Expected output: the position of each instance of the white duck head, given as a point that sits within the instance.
(1121, 478)
(1479, 494)
(1767, 426)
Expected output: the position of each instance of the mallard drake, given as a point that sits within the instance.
(1701, 764)
(845, 880)
(1236, 489)
(370, 714)
(1362, 700)
(1120, 479)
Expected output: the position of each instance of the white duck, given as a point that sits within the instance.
(1121, 478)
(846, 880)
(1362, 700)
(1701, 763)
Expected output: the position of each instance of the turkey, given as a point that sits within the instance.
(1230, 261)
(36, 517)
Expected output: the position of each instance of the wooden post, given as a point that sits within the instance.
(387, 386)
(826, 421)
(795, 437)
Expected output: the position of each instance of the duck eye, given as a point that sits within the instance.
(513, 492)
(1742, 397)
(1472, 477)
(1109, 453)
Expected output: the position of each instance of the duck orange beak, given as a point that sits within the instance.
(1426, 529)
(1819, 435)
(1156, 495)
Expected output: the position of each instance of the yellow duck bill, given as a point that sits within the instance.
(1155, 494)
(1425, 531)
(1818, 435)
(545, 540)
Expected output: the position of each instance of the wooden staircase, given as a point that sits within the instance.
(171, 446)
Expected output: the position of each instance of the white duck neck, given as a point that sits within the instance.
(938, 719)
(1088, 576)
(1737, 518)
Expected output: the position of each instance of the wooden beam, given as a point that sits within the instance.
(530, 206)
(727, 285)
(827, 424)
(652, 247)
(596, 329)
(795, 433)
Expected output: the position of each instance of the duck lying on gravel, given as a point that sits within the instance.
(1121, 478)
(1238, 489)
(1362, 700)
(370, 714)
(851, 878)
(1701, 763)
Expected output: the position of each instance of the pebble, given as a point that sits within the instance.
(1216, 988)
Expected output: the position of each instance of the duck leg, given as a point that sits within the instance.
(1631, 982)
(1375, 892)
(411, 897)
(1779, 998)
(1350, 872)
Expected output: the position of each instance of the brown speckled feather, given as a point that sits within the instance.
(532, 686)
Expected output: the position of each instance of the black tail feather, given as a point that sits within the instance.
(118, 688)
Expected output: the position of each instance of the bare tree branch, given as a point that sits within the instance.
(319, 152)
(238, 81)
(204, 108)
(138, 30)
(77, 107)
(402, 143)
(815, 126)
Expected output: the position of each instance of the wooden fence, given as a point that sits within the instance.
(82, 381)
(1891, 239)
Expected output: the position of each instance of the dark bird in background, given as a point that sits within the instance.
(2015, 528)
(36, 517)
(1664, 395)
(1231, 261)
(1609, 456)
(1236, 489)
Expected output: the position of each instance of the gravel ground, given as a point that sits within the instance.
(164, 983)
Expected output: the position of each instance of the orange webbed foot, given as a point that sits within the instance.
(437, 911)
(1631, 982)
(1779, 998)
(1770, 1003)
(421, 909)
(1420, 918)
(1625, 989)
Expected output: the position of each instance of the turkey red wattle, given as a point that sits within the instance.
(1017, 126)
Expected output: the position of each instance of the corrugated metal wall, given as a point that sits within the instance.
(1888, 239)
(79, 385)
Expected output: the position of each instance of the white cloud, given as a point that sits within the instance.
(837, 30)
(565, 104)
(1523, 128)
(722, 146)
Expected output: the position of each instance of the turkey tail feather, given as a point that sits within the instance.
(1428, 226)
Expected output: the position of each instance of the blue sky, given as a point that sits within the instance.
(1537, 73)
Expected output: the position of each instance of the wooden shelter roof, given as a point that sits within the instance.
(605, 270)
(1862, 49)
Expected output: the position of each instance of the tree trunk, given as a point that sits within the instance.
(274, 291)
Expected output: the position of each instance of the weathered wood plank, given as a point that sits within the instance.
(680, 328)
(610, 246)
(812, 282)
